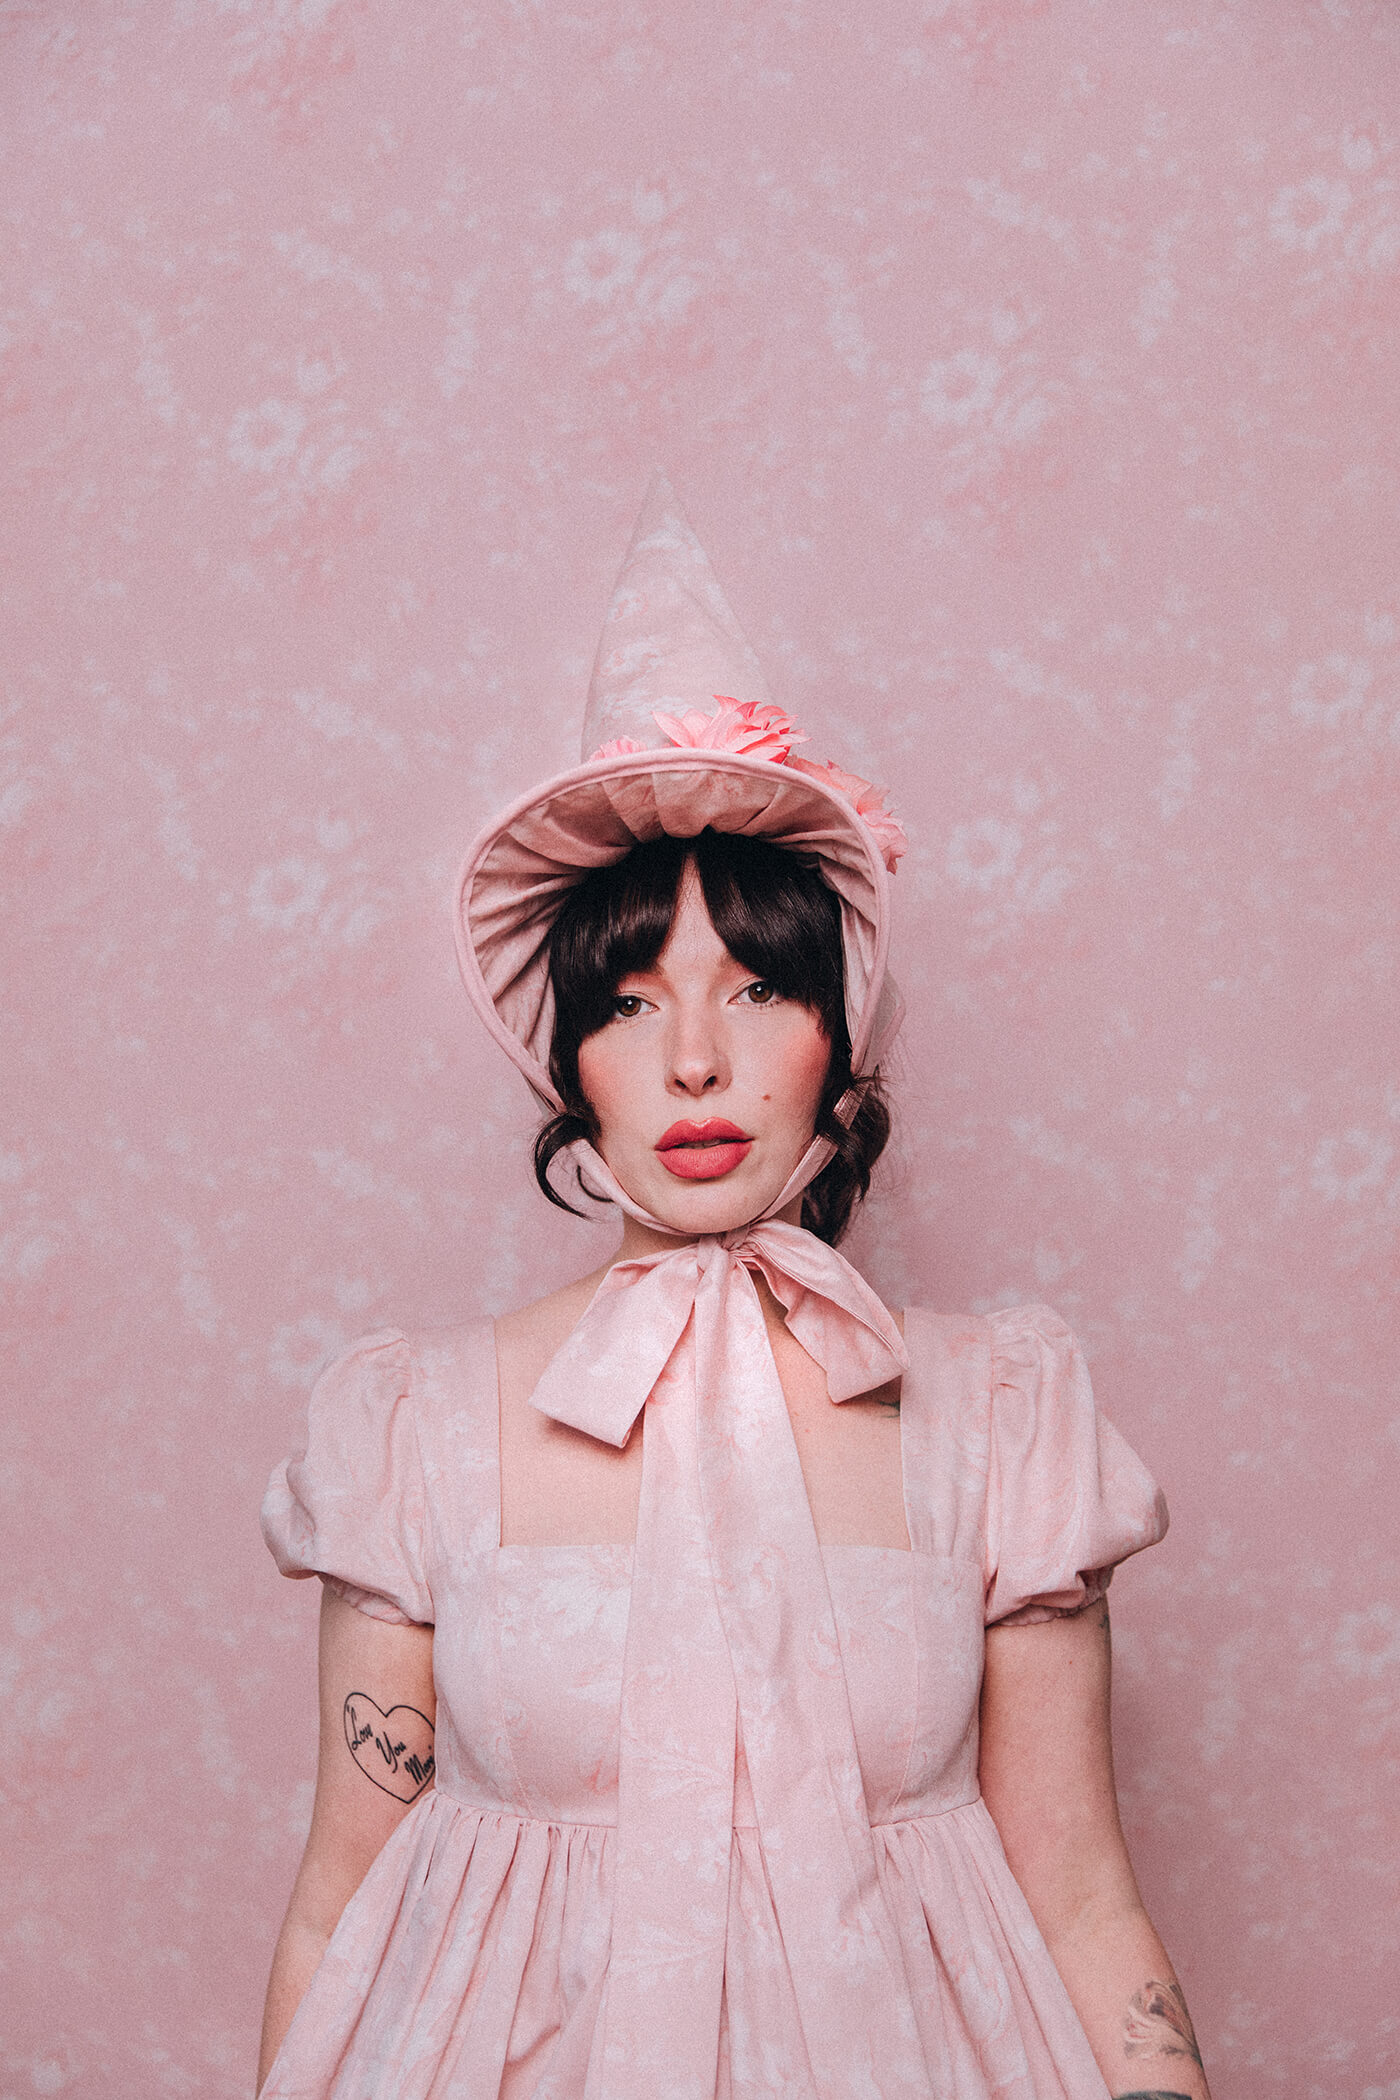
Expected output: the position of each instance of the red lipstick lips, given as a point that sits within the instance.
(703, 1151)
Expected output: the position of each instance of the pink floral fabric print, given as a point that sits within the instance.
(350, 1506)
(1066, 1497)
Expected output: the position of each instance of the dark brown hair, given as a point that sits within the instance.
(778, 918)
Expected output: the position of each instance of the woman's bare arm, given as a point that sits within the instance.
(1047, 1778)
(373, 1764)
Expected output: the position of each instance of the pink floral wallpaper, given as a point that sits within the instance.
(1030, 369)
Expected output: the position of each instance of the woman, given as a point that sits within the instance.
(705, 1652)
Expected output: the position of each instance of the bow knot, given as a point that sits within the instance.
(602, 1377)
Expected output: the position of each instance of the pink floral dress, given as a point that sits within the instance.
(473, 1962)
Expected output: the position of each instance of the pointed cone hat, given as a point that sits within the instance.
(669, 641)
(679, 733)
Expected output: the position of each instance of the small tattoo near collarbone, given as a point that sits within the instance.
(1158, 2024)
(394, 1750)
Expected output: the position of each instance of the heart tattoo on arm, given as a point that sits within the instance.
(394, 1749)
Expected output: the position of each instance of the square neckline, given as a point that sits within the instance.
(629, 1546)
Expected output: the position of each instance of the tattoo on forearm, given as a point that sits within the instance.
(395, 1750)
(1158, 2024)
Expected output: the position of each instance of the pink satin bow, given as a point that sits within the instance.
(730, 1613)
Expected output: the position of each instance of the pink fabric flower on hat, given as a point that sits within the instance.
(868, 801)
(755, 729)
(748, 727)
(620, 747)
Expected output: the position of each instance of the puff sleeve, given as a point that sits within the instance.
(350, 1507)
(1066, 1497)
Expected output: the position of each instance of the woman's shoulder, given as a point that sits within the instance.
(977, 1362)
(1002, 1331)
(529, 1338)
(420, 1367)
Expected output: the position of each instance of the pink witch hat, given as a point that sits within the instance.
(679, 732)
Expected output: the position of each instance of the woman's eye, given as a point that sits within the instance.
(628, 1004)
(760, 994)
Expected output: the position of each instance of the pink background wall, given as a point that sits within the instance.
(1031, 371)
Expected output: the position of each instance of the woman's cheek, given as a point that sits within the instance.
(608, 1082)
(803, 1067)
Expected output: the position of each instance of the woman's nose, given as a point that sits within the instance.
(698, 1061)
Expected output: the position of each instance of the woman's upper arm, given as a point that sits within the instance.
(377, 1710)
(1046, 1766)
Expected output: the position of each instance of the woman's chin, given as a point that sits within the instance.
(714, 1206)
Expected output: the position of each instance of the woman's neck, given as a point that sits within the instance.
(638, 1240)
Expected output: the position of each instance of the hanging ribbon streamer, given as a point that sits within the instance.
(730, 1611)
